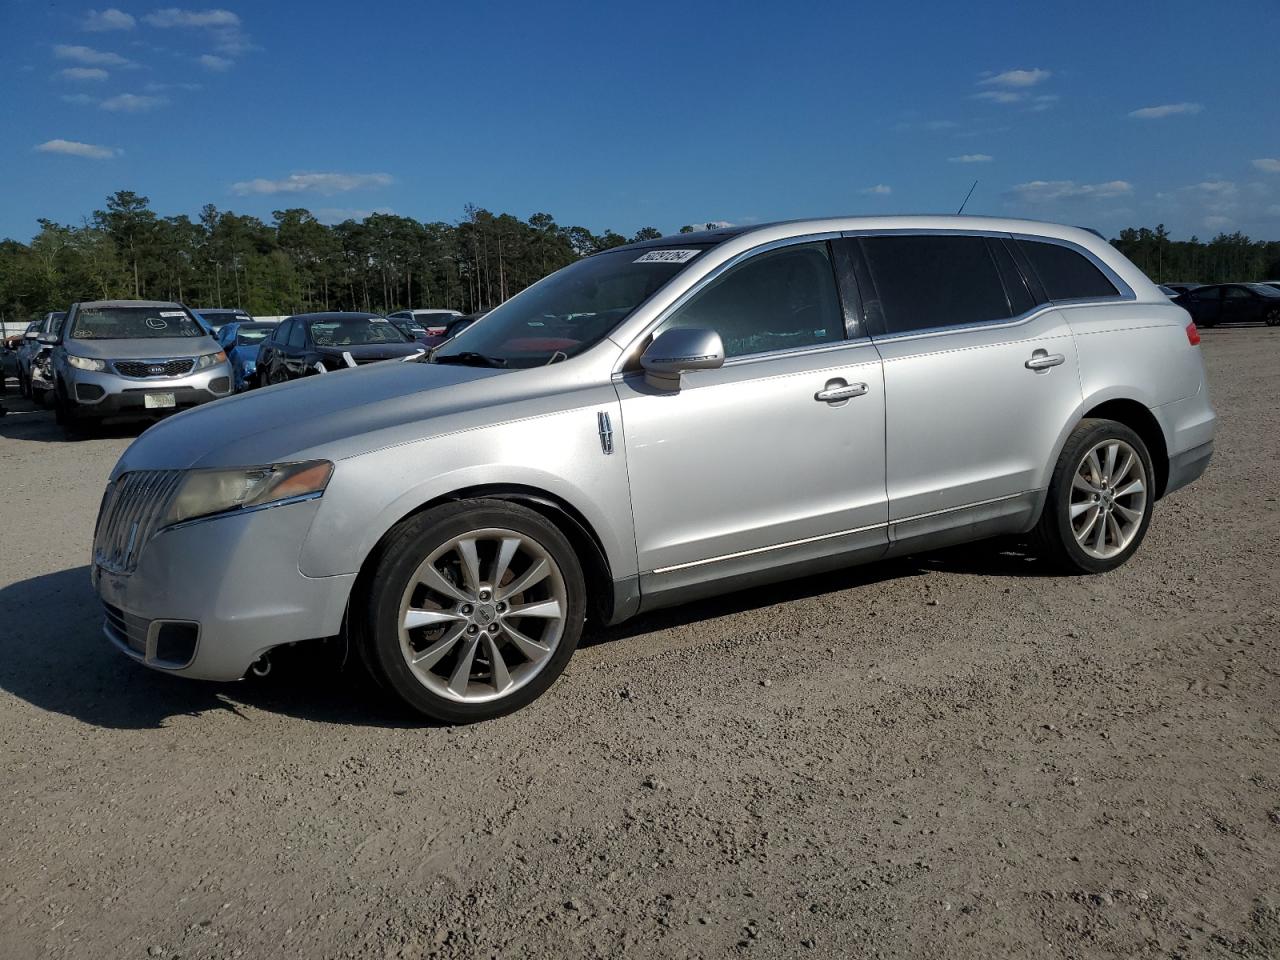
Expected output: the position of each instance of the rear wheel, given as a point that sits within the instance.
(1273, 317)
(473, 610)
(1099, 500)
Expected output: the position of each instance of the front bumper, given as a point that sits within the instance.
(229, 587)
(106, 393)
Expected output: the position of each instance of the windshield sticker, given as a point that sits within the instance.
(172, 313)
(157, 323)
(667, 256)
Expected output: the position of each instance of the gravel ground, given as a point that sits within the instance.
(956, 755)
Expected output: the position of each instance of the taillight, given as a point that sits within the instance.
(1193, 334)
(435, 331)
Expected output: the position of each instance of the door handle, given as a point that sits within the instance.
(837, 391)
(1042, 360)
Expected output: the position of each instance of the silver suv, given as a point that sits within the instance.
(661, 421)
(133, 357)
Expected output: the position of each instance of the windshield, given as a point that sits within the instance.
(354, 333)
(569, 311)
(134, 323)
(1264, 289)
(245, 335)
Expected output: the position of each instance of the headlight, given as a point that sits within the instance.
(205, 492)
(250, 366)
(86, 363)
(209, 359)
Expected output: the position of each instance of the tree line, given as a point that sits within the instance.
(294, 264)
(384, 262)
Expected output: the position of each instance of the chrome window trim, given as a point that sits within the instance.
(626, 358)
(931, 332)
(1126, 292)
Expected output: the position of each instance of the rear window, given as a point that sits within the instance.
(928, 282)
(1066, 274)
(134, 323)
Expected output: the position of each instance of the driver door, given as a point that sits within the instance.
(745, 474)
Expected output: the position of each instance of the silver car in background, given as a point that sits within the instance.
(655, 423)
(133, 358)
(32, 382)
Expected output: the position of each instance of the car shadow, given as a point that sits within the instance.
(53, 654)
(31, 422)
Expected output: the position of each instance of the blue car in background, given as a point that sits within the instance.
(241, 342)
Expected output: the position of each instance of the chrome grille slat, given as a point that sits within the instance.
(131, 511)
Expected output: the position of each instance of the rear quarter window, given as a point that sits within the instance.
(1066, 274)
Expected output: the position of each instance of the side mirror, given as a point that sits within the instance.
(47, 339)
(675, 351)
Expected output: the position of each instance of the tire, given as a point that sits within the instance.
(1123, 509)
(475, 656)
(1273, 317)
(24, 387)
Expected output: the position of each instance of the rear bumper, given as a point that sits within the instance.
(209, 598)
(1189, 426)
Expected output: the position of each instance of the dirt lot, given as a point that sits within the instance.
(956, 755)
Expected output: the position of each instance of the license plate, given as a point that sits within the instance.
(158, 401)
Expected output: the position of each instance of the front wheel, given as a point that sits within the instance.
(1273, 317)
(1099, 500)
(473, 610)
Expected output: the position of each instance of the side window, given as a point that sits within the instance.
(775, 301)
(1237, 293)
(925, 282)
(280, 335)
(298, 335)
(1066, 274)
(1207, 293)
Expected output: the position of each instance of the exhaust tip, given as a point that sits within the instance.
(261, 667)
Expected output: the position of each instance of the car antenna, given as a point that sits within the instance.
(966, 198)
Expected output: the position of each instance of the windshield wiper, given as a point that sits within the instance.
(469, 358)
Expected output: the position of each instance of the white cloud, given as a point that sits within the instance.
(223, 26)
(879, 190)
(1217, 221)
(217, 64)
(1000, 96)
(83, 73)
(1165, 110)
(177, 17)
(81, 98)
(109, 19)
(1017, 78)
(90, 56)
(74, 148)
(132, 103)
(971, 158)
(322, 183)
(1267, 164)
(1044, 101)
(1047, 191)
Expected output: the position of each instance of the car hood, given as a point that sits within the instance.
(244, 353)
(146, 348)
(369, 352)
(332, 415)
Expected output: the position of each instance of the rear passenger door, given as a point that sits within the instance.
(979, 381)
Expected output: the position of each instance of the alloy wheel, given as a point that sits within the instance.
(1108, 498)
(482, 615)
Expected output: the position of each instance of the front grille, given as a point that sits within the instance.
(131, 509)
(154, 368)
(130, 630)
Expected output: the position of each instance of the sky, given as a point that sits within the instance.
(624, 115)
